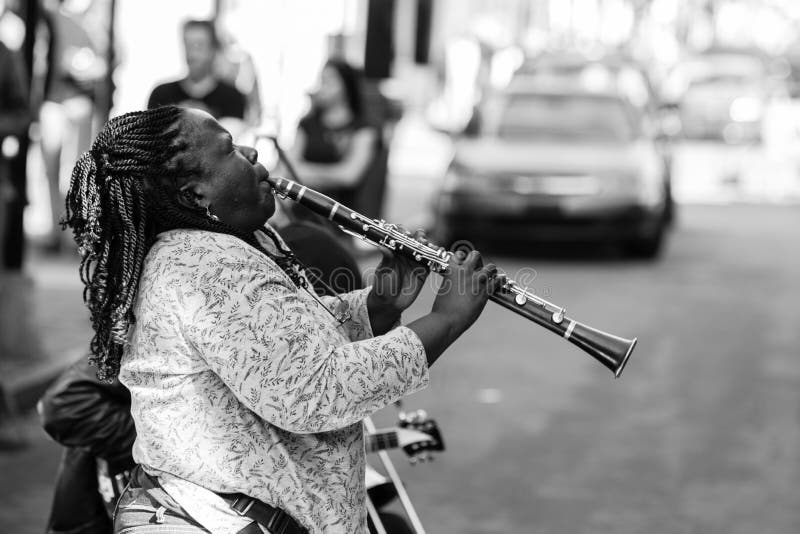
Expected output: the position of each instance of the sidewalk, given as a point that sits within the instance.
(44, 326)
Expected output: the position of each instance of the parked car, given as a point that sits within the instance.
(556, 164)
(614, 73)
(722, 95)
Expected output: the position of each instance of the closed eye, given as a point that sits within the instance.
(227, 143)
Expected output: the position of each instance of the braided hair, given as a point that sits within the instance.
(122, 194)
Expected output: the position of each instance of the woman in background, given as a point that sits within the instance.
(337, 149)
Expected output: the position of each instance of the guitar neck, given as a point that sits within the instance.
(380, 441)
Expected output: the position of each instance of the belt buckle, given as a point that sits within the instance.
(248, 504)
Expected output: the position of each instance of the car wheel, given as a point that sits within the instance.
(669, 207)
(646, 247)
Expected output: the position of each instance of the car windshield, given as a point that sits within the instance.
(566, 117)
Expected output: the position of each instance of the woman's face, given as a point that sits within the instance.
(229, 179)
(331, 88)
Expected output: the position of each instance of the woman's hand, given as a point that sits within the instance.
(466, 286)
(396, 284)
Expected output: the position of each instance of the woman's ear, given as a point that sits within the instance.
(190, 198)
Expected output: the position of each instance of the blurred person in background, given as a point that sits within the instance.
(235, 65)
(91, 418)
(203, 87)
(15, 109)
(75, 70)
(338, 150)
(14, 121)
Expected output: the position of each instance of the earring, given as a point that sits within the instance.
(211, 215)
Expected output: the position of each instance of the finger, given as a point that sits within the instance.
(486, 274)
(411, 268)
(491, 270)
(496, 279)
(474, 260)
(388, 259)
(499, 281)
(458, 257)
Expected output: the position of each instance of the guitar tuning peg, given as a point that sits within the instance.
(413, 460)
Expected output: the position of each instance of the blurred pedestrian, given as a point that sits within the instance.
(92, 420)
(75, 69)
(268, 380)
(202, 87)
(338, 150)
(14, 121)
(236, 66)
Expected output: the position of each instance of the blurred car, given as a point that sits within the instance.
(722, 95)
(616, 73)
(556, 164)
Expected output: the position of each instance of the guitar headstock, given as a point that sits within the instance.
(420, 450)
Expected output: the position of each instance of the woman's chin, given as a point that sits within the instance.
(269, 211)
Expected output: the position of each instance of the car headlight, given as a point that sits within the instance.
(646, 186)
(746, 109)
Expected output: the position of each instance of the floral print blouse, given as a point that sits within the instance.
(241, 382)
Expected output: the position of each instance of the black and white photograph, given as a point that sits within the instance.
(399, 266)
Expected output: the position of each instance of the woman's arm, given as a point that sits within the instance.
(282, 355)
(279, 351)
(342, 174)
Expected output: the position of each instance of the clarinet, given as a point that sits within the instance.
(610, 350)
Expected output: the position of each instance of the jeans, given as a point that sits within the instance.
(149, 510)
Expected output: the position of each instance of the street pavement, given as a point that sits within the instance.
(699, 435)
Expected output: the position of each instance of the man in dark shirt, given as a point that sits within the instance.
(201, 88)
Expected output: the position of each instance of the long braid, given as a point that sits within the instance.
(121, 195)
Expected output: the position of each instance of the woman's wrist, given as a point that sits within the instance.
(451, 326)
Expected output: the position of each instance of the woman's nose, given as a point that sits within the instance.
(250, 153)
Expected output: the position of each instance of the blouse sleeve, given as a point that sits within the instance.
(357, 327)
(285, 358)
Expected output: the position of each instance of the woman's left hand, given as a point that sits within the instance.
(398, 280)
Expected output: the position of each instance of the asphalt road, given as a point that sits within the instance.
(701, 434)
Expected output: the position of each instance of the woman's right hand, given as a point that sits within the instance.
(465, 288)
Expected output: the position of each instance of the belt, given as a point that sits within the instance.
(273, 519)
